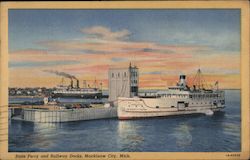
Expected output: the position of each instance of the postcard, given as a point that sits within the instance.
(124, 80)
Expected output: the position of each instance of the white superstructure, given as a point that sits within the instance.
(177, 100)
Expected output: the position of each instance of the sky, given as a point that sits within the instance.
(162, 43)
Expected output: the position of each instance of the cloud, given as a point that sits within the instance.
(117, 59)
(166, 51)
(221, 71)
(105, 33)
(221, 41)
(154, 72)
(107, 47)
(102, 40)
(31, 64)
(30, 51)
(102, 48)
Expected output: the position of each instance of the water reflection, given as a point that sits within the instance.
(183, 134)
(129, 137)
(231, 129)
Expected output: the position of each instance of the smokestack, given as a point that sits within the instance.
(84, 84)
(71, 83)
(182, 81)
(77, 83)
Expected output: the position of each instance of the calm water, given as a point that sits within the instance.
(196, 133)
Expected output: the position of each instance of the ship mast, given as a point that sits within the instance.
(95, 83)
(198, 80)
(62, 81)
(84, 84)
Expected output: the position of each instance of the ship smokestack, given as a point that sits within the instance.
(84, 84)
(182, 81)
(71, 83)
(77, 83)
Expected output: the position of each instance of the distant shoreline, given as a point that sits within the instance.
(26, 96)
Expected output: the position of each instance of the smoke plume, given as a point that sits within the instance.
(61, 74)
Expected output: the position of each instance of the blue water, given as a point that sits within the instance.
(195, 133)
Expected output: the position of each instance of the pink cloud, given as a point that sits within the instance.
(90, 69)
(30, 52)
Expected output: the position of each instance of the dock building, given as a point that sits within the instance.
(123, 82)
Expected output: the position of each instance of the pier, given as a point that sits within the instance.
(62, 115)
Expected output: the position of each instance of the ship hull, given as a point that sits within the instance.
(133, 108)
(70, 95)
(130, 117)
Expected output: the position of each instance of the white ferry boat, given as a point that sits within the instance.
(76, 92)
(177, 100)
